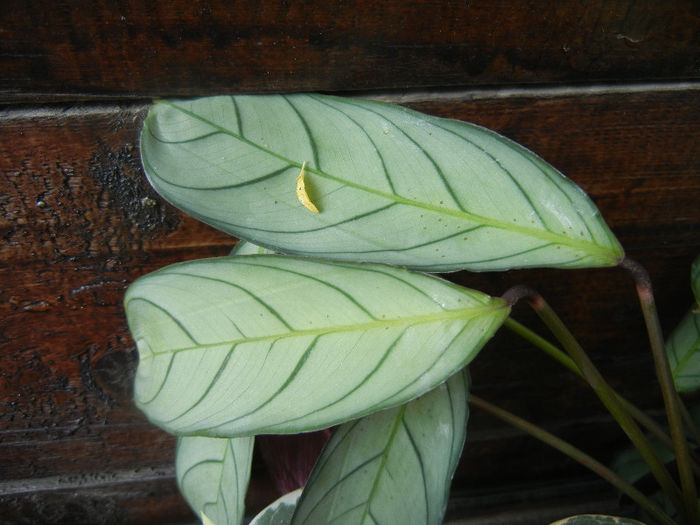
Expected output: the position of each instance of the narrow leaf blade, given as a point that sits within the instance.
(393, 466)
(279, 344)
(213, 474)
(393, 185)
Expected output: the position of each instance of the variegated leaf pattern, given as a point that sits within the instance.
(683, 349)
(280, 344)
(393, 466)
(392, 185)
(280, 511)
(213, 474)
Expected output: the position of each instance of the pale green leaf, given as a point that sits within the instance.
(596, 519)
(394, 466)
(248, 248)
(278, 344)
(213, 474)
(683, 350)
(280, 511)
(392, 185)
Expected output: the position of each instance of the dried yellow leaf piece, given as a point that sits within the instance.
(206, 520)
(301, 191)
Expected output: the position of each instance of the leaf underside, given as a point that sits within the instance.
(213, 474)
(278, 344)
(280, 511)
(392, 185)
(596, 519)
(394, 466)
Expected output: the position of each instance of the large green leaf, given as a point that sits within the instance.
(392, 185)
(278, 344)
(213, 475)
(393, 466)
(683, 349)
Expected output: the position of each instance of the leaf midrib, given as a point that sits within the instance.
(588, 246)
(463, 314)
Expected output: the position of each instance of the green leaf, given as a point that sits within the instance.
(392, 185)
(695, 279)
(213, 474)
(280, 511)
(248, 248)
(596, 519)
(683, 350)
(278, 344)
(394, 466)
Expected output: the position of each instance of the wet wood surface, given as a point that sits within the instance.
(69, 48)
(79, 223)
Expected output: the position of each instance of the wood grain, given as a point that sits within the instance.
(79, 223)
(71, 49)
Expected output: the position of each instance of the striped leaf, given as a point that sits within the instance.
(391, 185)
(683, 349)
(278, 344)
(391, 467)
(213, 474)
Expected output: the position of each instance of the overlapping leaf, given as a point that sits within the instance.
(213, 475)
(279, 344)
(392, 185)
(393, 466)
(280, 511)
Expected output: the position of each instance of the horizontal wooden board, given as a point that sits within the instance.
(70, 48)
(79, 223)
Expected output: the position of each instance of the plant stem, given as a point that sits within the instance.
(557, 354)
(604, 392)
(576, 454)
(663, 371)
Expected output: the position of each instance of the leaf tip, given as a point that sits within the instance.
(301, 191)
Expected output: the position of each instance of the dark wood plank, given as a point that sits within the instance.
(71, 48)
(79, 222)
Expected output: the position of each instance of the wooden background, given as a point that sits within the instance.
(607, 91)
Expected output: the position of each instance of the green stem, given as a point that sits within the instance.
(604, 392)
(671, 400)
(576, 454)
(557, 354)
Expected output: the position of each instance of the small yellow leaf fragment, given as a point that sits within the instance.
(206, 520)
(301, 191)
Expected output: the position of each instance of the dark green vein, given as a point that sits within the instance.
(213, 381)
(320, 281)
(167, 314)
(366, 134)
(161, 140)
(428, 156)
(307, 130)
(336, 485)
(255, 298)
(357, 387)
(300, 364)
(419, 457)
(589, 245)
(531, 158)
